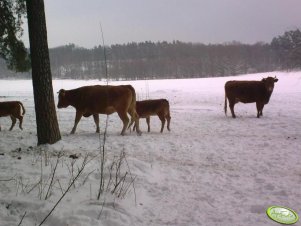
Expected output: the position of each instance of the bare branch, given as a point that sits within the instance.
(70, 185)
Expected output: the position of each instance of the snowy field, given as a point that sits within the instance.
(209, 170)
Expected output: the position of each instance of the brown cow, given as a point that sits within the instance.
(249, 92)
(147, 108)
(15, 110)
(94, 100)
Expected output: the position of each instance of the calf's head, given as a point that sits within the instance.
(269, 83)
(63, 102)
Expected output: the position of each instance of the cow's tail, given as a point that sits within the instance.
(225, 105)
(23, 109)
(168, 115)
(134, 114)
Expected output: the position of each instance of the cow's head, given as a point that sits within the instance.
(63, 103)
(269, 83)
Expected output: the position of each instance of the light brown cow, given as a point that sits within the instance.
(15, 110)
(249, 92)
(159, 107)
(94, 100)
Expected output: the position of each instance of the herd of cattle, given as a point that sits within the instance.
(95, 100)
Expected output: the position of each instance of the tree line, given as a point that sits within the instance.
(161, 60)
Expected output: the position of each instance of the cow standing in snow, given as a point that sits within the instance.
(94, 100)
(249, 92)
(15, 110)
(159, 107)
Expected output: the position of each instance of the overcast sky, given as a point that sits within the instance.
(203, 21)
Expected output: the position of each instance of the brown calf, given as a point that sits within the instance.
(15, 110)
(249, 92)
(159, 107)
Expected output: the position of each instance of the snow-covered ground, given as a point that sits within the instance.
(209, 170)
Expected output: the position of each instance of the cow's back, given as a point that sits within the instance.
(245, 91)
(9, 107)
(102, 99)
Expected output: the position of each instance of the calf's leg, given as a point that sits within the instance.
(13, 119)
(162, 118)
(20, 121)
(168, 121)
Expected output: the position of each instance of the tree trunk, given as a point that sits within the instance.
(47, 125)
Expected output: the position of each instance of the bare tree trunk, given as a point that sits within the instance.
(47, 125)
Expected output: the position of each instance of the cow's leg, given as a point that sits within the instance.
(259, 107)
(135, 118)
(13, 120)
(168, 121)
(131, 123)
(96, 120)
(137, 126)
(231, 106)
(148, 123)
(261, 110)
(78, 116)
(125, 119)
(20, 121)
(162, 118)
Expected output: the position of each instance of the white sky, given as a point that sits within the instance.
(205, 21)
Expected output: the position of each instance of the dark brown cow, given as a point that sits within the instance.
(15, 110)
(147, 108)
(94, 100)
(249, 92)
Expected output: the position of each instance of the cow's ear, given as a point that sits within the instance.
(61, 92)
(275, 79)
